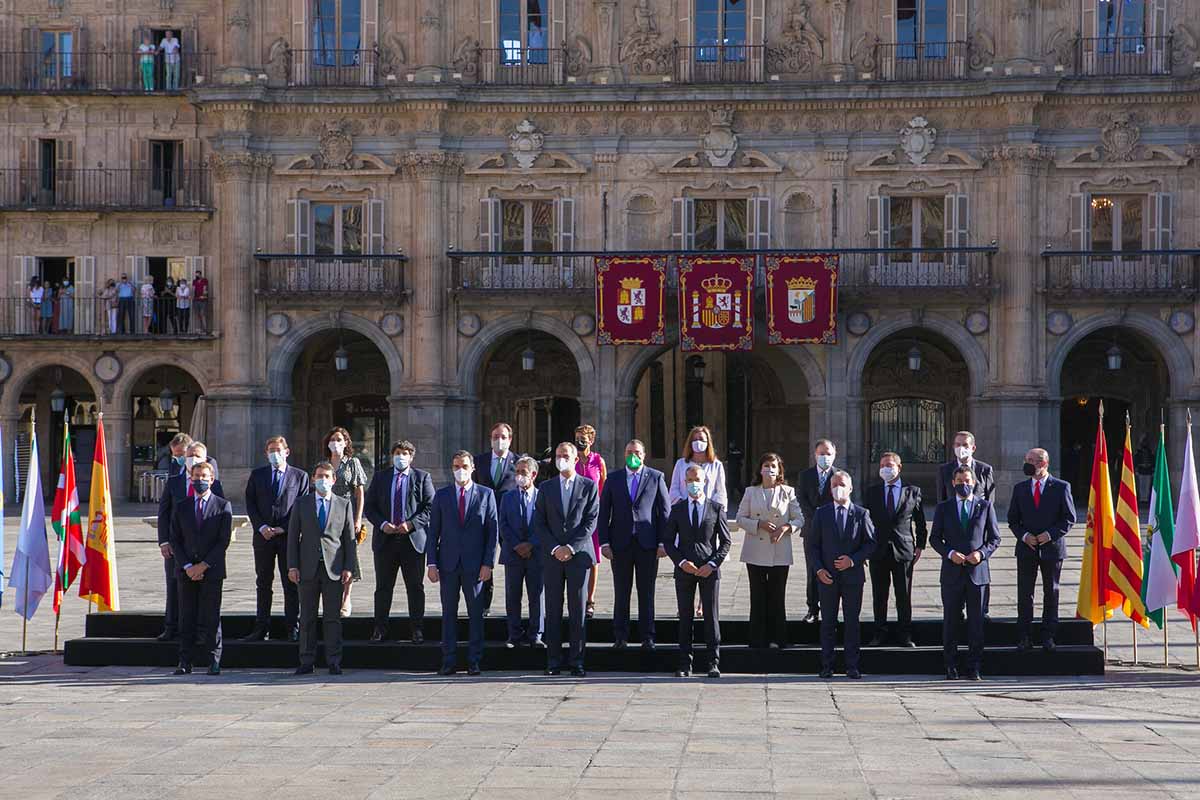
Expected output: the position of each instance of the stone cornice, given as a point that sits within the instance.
(430, 163)
(238, 165)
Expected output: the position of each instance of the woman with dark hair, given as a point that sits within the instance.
(768, 515)
(349, 481)
(591, 465)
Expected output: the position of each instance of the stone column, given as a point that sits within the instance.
(605, 67)
(239, 60)
(118, 441)
(10, 426)
(429, 57)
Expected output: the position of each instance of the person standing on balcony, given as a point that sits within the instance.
(200, 302)
(169, 47)
(125, 306)
(109, 295)
(147, 294)
(146, 51)
(167, 307)
(48, 308)
(66, 308)
(37, 295)
(183, 304)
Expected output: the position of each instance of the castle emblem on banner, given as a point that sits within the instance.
(631, 301)
(801, 300)
(715, 306)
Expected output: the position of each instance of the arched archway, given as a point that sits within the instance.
(282, 359)
(963, 342)
(161, 400)
(36, 395)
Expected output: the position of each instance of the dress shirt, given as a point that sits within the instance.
(201, 503)
(964, 506)
(695, 511)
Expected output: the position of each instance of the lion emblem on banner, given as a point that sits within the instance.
(715, 306)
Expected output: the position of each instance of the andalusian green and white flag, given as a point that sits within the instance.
(1161, 573)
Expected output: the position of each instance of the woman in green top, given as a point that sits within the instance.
(146, 51)
(349, 481)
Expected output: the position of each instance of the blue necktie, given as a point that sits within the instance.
(275, 482)
(633, 487)
(322, 514)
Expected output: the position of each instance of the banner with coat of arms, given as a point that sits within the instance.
(629, 299)
(802, 299)
(716, 294)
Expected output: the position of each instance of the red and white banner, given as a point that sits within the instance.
(802, 299)
(629, 299)
(716, 296)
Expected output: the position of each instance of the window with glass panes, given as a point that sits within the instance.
(1117, 222)
(337, 228)
(523, 31)
(56, 54)
(922, 22)
(336, 32)
(918, 222)
(720, 224)
(526, 226)
(721, 22)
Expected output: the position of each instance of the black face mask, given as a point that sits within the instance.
(963, 490)
(1029, 469)
(582, 445)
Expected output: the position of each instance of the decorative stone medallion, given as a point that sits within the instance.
(917, 140)
(392, 324)
(720, 143)
(1182, 322)
(469, 325)
(858, 323)
(107, 367)
(278, 324)
(1059, 322)
(977, 322)
(525, 144)
(583, 324)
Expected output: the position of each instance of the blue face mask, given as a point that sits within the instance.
(695, 488)
(400, 462)
(963, 490)
(179, 460)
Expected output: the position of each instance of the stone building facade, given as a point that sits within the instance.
(1011, 186)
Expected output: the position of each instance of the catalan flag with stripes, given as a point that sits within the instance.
(1093, 595)
(1125, 558)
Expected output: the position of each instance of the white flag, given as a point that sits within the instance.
(30, 577)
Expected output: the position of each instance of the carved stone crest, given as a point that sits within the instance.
(1120, 137)
(391, 54)
(335, 146)
(917, 140)
(525, 144)
(802, 46)
(643, 49)
(720, 143)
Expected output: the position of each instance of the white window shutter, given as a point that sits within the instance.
(85, 293)
(683, 223)
(565, 220)
(375, 224)
(879, 230)
(299, 227)
(370, 36)
(1080, 222)
(489, 225)
(950, 228)
(299, 40)
(759, 214)
(138, 268)
(25, 268)
(1164, 208)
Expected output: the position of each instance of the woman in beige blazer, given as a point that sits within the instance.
(768, 515)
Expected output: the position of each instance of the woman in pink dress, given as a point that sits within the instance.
(591, 465)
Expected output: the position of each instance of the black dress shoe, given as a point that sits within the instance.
(826, 673)
(167, 636)
(853, 674)
(447, 671)
(908, 643)
(951, 674)
(473, 669)
(578, 672)
(647, 644)
(810, 618)
(714, 672)
(1025, 645)
(511, 644)
(214, 669)
(376, 636)
(183, 669)
(1048, 646)
(620, 644)
(305, 670)
(256, 635)
(418, 637)
(335, 669)
(973, 675)
(293, 636)
(683, 673)
(553, 671)
(876, 641)
(537, 642)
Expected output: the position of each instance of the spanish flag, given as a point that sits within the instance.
(1092, 604)
(1125, 558)
(98, 581)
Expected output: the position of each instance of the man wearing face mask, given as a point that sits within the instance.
(633, 514)
(841, 539)
(965, 534)
(1040, 515)
(398, 505)
(814, 491)
(900, 536)
(984, 485)
(461, 553)
(322, 558)
(497, 470)
(521, 556)
(564, 516)
(185, 454)
(271, 494)
(696, 538)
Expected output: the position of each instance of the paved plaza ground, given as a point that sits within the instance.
(139, 732)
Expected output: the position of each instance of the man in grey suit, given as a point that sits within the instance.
(322, 557)
(564, 516)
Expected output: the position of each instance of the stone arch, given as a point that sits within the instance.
(282, 360)
(1168, 345)
(476, 353)
(33, 365)
(954, 333)
(133, 371)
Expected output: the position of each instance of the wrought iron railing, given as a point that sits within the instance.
(1127, 274)
(61, 315)
(334, 68)
(282, 275)
(1123, 56)
(922, 61)
(719, 63)
(522, 66)
(102, 72)
(99, 188)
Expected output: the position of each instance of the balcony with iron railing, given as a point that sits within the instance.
(101, 189)
(719, 63)
(304, 278)
(1123, 56)
(1127, 275)
(75, 316)
(101, 72)
(922, 61)
(331, 68)
(517, 66)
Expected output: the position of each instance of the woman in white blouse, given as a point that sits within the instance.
(699, 451)
(768, 515)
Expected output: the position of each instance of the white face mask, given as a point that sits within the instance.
(699, 446)
(963, 453)
(277, 458)
(190, 462)
(400, 462)
(770, 472)
(824, 462)
(524, 481)
(564, 464)
(841, 493)
(337, 447)
(500, 444)
(461, 476)
(695, 488)
(888, 473)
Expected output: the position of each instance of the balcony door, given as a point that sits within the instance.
(56, 59)
(333, 40)
(922, 29)
(524, 25)
(526, 227)
(166, 157)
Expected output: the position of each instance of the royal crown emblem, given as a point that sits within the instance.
(631, 301)
(802, 300)
(715, 306)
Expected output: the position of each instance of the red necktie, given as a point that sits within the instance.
(1037, 494)
(462, 506)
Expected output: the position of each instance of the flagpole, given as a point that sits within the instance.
(25, 606)
(1135, 627)
(62, 546)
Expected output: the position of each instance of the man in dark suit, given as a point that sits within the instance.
(177, 489)
(633, 512)
(521, 555)
(1040, 515)
(812, 492)
(984, 486)
(696, 538)
(965, 534)
(841, 539)
(900, 536)
(397, 505)
(497, 470)
(461, 553)
(271, 493)
(563, 518)
(201, 529)
(322, 558)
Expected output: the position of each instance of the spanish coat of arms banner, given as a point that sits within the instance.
(716, 295)
(802, 299)
(629, 299)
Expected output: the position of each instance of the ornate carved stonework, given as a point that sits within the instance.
(391, 54)
(430, 163)
(917, 140)
(1060, 46)
(1019, 152)
(862, 54)
(336, 146)
(279, 62)
(579, 56)
(802, 47)
(237, 165)
(465, 60)
(720, 143)
(1120, 137)
(643, 50)
(525, 144)
(982, 49)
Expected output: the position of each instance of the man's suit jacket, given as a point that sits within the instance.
(982, 534)
(1055, 515)
(508, 474)
(175, 492)
(470, 544)
(265, 507)
(985, 480)
(826, 542)
(574, 529)
(515, 529)
(378, 507)
(310, 546)
(897, 534)
(624, 519)
(709, 544)
(811, 496)
(206, 543)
